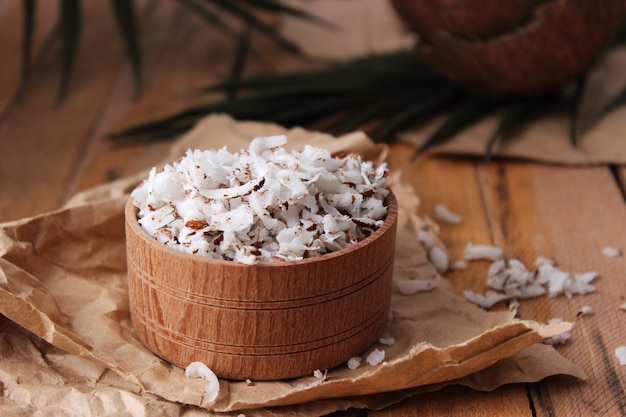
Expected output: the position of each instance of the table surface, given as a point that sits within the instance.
(50, 151)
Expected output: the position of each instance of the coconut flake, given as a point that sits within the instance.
(200, 370)
(559, 338)
(585, 311)
(439, 259)
(388, 341)
(623, 307)
(264, 204)
(474, 252)
(375, 357)
(412, 286)
(611, 251)
(458, 265)
(354, 362)
(620, 353)
(445, 214)
(320, 376)
(485, 301)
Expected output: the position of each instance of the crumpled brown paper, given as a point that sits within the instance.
(63, 278)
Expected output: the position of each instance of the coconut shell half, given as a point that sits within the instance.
(523, 48)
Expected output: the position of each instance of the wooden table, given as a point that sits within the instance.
(49, 151)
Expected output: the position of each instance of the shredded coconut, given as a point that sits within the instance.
(620, 353)
(585, 311)
(458, 265)
(412, 286)
(511, 280)
(623, 307)
(263, 204)
(387, 340)
(611, 251)
(473, 252)
(375, 357)
(559, 338)
(439, 259)
(200, 370)
(445, 214)
(354, 362)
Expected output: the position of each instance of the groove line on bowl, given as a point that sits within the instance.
(259, 350)
(234, 304)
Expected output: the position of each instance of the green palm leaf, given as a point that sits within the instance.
(70, 33)
(29, 7)
(126, 18)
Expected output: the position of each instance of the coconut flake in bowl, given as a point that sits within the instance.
(263, 204)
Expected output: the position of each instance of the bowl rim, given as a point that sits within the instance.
(130, 213)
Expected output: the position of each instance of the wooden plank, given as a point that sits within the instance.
(40, 140)
(507, 401)
(568, 214)
(453, 182)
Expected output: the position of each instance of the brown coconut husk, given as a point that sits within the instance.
(521, 48)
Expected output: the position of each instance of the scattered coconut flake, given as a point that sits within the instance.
(458, 265)
(557, 282)
(375, 357)
(412, 286)
(387, 340)
(425, 239)
(439, 259)
(585, 311)
(542, 260)
(445, 214)
(354, 362)
(263, 204)
(620, 352)
(249, 382)
(623, 307)
(485, 301)
(200, 370)
(320, 376)
(611, 251)
(559, 338)
(474, 252)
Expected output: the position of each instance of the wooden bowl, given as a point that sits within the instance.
(266, 321)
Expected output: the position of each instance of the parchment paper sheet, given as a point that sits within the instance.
(63, 279)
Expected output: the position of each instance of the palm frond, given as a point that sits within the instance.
(126, 18)
(70, 33)
(514, 114)
(575, 110)
(466, 114)
(29, 7)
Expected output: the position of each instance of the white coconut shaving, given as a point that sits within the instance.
(474, 252)
(458, 265)
(623, 307)
(320, 376)
(510, 280)
(388, 340)
(585, 311)
(439, 259)
(558, 339)
(354, 362)
(263, 204)
(444, 214)
(413, 286)
(611, 251)
(375, 357)
(200, 370)
(620, 353)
